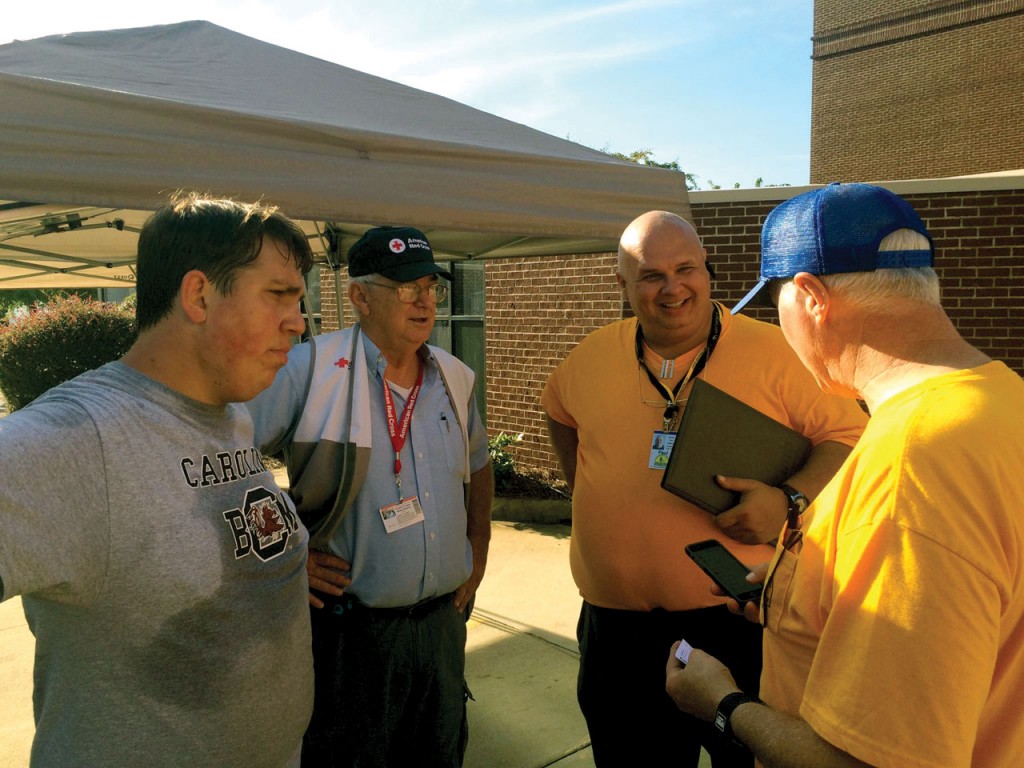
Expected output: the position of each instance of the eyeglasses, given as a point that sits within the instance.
(792, 541)
(640, 379)
(409, 293)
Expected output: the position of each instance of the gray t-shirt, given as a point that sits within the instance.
(163, 574)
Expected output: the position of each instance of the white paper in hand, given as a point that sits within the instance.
(683, 651)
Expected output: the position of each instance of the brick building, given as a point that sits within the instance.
(538, 309)
(916, 89)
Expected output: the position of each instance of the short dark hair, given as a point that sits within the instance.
(216, 236)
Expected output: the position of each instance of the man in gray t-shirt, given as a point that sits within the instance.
(161, 568)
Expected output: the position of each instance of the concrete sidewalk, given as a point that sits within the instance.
(521, 660)
(17, 647)
(522, 656)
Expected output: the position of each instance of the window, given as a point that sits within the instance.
(460, 323)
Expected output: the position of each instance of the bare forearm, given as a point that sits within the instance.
(779, 740)
(759, 515)
(819, 468)
(478, 531)
(478, 512)
(565, 441)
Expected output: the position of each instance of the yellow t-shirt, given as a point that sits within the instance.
(628, 533)
(896, 632)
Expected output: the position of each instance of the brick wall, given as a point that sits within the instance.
(329, 300)
(833, 14)
(538, 309)
(979, 239)
(927, 89)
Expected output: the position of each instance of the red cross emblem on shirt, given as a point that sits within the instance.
(342, 362)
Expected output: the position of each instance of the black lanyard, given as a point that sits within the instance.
(671, 404)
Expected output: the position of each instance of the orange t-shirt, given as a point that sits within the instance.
(628, 533)
(897, 631)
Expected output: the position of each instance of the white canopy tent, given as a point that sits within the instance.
(97, 128)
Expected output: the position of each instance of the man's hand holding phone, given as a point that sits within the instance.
(732, 579)
(751, 609)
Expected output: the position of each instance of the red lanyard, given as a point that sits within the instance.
(399, 429)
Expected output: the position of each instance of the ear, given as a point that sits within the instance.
(813, 295)
(193, 294)
(620, 280)
(357, 295)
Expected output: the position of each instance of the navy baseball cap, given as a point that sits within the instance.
(835, 229)
(402, 254)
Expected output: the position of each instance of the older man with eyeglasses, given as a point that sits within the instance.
(894, 610)
(389, 469)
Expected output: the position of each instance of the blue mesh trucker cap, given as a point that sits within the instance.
(831, 230)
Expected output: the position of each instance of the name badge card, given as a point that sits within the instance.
(402, 514)
(661, 447)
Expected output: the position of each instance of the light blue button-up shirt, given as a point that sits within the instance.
(429, 558)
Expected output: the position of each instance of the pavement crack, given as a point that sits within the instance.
(504, 625)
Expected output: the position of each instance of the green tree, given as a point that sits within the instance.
(646, 157)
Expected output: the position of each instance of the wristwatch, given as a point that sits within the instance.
(798, 504)
(723, 714)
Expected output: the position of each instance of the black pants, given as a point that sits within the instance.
(621, 685)
(389, 686)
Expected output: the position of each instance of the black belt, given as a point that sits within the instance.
(349, 604)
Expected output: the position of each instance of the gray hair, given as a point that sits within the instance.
(873, 290)
(362, 280)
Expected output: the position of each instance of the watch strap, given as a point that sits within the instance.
(797, 504)
(723, 713)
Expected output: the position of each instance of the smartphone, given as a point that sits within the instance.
(724, 569)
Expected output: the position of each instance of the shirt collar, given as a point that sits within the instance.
(376, 362)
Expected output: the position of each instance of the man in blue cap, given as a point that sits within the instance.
(893, 608)
(620, 390)
(389, 469)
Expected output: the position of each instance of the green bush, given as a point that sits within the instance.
(502, 460)
(57, 341)
(15, 300)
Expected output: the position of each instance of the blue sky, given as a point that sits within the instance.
(721, 86)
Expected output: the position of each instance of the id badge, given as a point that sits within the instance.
(661, 447)
(402, 514)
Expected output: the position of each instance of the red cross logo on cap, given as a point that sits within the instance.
(396, 245)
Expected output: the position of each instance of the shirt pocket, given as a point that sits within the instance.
(777, 589)
(451, 439)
